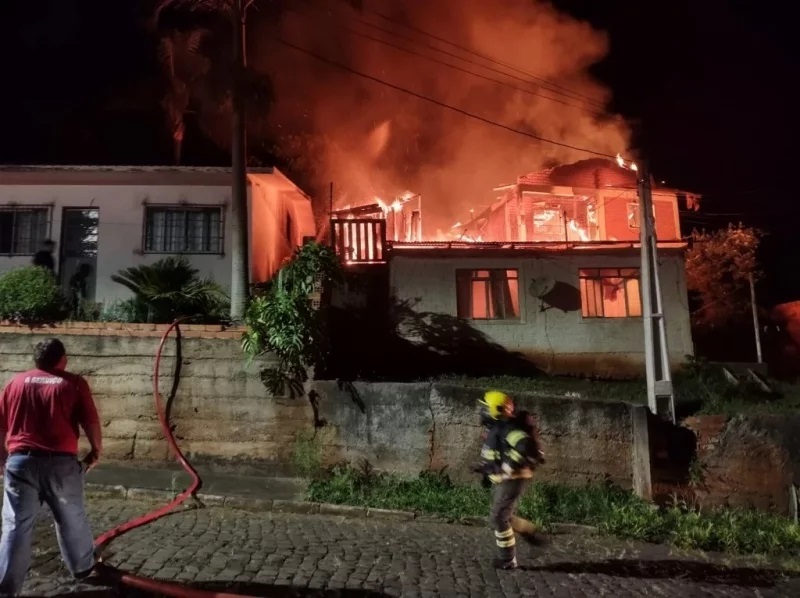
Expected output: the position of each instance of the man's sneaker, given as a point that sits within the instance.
(506, 565)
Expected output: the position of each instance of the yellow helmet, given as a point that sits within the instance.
(495, 403)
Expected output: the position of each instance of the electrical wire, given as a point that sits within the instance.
(541, 81)
(440, 103)
(457, 68)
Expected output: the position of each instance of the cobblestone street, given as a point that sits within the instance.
(315, 555)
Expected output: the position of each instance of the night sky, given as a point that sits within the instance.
(708, 84)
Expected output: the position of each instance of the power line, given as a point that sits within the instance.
(455, 67)
(441, 104)
(486, 57)
(571, 95)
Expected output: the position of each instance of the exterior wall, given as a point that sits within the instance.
(556, 340)
(120, 193)
(613, 216)
(120, 232)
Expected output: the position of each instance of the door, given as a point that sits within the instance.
(79, 229)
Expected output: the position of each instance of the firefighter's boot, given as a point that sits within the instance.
(526, 530)
(507, 549)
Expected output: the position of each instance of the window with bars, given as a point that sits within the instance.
(488, 294)
(610, 293)
(183, 229)
(23, 229)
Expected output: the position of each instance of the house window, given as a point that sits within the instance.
(488, 294)
(183, 229)
(23, 229)
(610, 293)
(633, 215)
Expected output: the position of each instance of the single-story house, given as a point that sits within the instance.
(549, 271)
(115, 217)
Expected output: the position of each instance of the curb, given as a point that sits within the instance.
(298, 507)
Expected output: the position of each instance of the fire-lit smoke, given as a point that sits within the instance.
(370, 140)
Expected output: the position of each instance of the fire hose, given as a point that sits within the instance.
(135, 581)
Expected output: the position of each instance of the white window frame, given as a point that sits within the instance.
(594, 282)
(472, 278)
(148, 248)
(35, 244)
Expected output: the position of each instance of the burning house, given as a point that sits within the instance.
(550, 270)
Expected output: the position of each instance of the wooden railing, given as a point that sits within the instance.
(360, 241)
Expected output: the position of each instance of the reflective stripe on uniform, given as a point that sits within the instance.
(515, 455)
(489, 454)
(514, 437)
(505, 539)
(522, 474)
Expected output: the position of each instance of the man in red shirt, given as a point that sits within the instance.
(40, 412)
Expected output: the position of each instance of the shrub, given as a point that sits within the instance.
(31, 295)
(612, 510)
(171, 288)
(126, 311)
(282, 321)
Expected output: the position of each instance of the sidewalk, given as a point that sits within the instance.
(175, 480)
(120, 478)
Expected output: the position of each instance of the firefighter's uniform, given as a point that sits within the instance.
(509, 456)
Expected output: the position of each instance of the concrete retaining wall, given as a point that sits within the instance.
(224, 417)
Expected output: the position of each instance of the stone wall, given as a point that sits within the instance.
(223, 416)
(747, 461)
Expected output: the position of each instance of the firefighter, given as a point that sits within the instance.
(495, 412)
(509, 455)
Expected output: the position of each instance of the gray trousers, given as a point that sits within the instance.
(505, 497)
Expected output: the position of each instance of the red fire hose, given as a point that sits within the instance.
(144, 583)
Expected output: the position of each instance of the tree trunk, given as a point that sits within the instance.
(240, 226)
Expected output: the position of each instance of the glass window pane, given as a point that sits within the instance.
(480, 305)
(634, 298)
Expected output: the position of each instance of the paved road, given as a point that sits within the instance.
(267, 554)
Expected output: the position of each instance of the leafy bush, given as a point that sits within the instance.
(612, 510)
(31, 295)
(281, 320)
(127, 311)
(169, 289)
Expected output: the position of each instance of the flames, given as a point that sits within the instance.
(371, 140)
(631, 166)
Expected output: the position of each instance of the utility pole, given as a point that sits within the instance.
(660, 394)
(756, 328)
(240, 213)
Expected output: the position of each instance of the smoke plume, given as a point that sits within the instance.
(371, 140)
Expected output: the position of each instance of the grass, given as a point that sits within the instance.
(612, 510)
(700, 388)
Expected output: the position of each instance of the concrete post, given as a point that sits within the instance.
(642, 481)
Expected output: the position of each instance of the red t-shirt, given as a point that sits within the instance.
(42, 411)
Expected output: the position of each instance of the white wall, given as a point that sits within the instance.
(559, 341)
(121, 225)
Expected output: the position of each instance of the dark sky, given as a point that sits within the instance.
(709, 82)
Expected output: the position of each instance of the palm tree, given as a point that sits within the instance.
(176, 104)
(235, 11)
(180, 48)
(172, 287)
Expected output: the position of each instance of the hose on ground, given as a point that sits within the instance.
(135, 581)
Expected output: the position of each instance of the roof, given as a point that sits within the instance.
(129, 175)
(90, 168)
(594, 173)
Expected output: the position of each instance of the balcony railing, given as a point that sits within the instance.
(360, 241)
